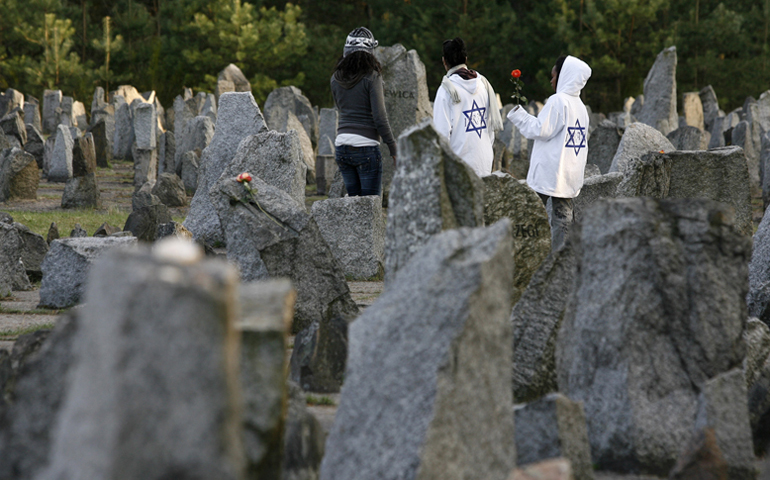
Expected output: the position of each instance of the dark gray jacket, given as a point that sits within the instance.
(361, 106)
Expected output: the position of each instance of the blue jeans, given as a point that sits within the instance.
(361, 169)
(562, 213)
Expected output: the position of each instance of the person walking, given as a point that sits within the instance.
(466, 110)
(560, 150)
(358, 94)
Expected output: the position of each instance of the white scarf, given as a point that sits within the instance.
(495, 119)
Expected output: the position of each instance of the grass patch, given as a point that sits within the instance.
(90, 220)
(14, 334)
(322, 400)
(34, 311)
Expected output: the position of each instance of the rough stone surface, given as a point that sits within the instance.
(190, 169)
(145, 122)
(123, 141)
(325, 171)
(759, 410)
(145, 166)
(83, 156)
(657, 312)
(437, 409)
(51, 102)
(504, 197)
(184, 110)
(19, 175)
(33, 250)
(155, 386)
(354, 229)
(701, 459)
(603, 144)
(143, 223)
(13, 126)
(553, 427)
(757, 338)
(693, 110)
(105, 230)
(266, 313)
(304, 438)
(319, 355)
(337, 187)
(327, 126)
(39, 393)
(209, 108)
(78, 232)
(659, 110)
(536, 320)
(82, 192)
(556, 469)
(517, 145)
(170, 190)
(65, 268)
(35, 145)
(637, 140)
(174, 229)
(102, 142)
(237, 118)
(433, 190)
(144, 197)
(758, 298)
(60, 169)
(12, 274)
(237, 81)
(53, 233)
(406, 99)
(710, 106)
(308, 154)
(594, 188)
(166, 152)
(197, 136)
(289, 100)
(32, 113)
(741, 137)
(279, 239)
(690, 138)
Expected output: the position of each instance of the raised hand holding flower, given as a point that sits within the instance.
(517, 84)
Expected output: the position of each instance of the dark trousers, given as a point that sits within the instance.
(561, 218)
(361, 169)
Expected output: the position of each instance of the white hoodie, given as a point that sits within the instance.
(467, 124)
(560, 132)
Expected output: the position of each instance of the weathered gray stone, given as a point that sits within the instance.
(4, 143)
(337, 187)
(102, 142)
(166, 152)
(184, 111)
(277, 238)
(325, 170)
(757, 339)
(237, 118)
(51, 102)
(174, 229)
(693, 110)
(33, 250)
(504, 196)
(105, 230)
(603, 144)
(145, 166)
(19, 175)
(764, 168)
(82, 192)
(144, 197)
(285, 100)
(659, 109)
(144, 121)
(13, 127)
(64, 112)
(689, 138)
(517, 146)
(231, 79)
(79, 117)
(701, 459)
(12, 274)
(591, 170)
(710, 106)
(267, 310)
(553, 427)
(98, 101)
(658, 310)
(83, 156)
(304, 438)
(53, 233)
(32, 113)
(66, 266)
(78, 232)
(143, 222)
(406, 99)
(123, 140)
(35, 145)
(170, 190)
(759, 409)
(190, 170)
(327, 126)
(154, 388)
(763, 114)
(308, 154)
(129, 92)
(198, 134)
(637, 140)
(11, 100)
(758, 298)
(354, 229)
(433, 190)
(319, 355)
(210, 108)
(39, 392)
(741, 137)
(437, 409)
(594, 188)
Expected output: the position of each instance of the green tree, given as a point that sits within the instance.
(108, 45)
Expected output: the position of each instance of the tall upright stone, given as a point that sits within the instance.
(197, 136)
(504, 197)
(102, 142)
(710, 106)
(689, 138)
(693, 110)
(155, 388)
(123, 140)
(32, 113)
(269, 236)
(603, 144)
(741, 137)
(406, 99)
(327, 127)
(51, 102)
(184, 111)
(433, 190)
(11, 100)
(285, 100)
(237, 118)
(19, 175)
(144, 121)
(35, 145)
(657, 314)
(61, 161)
(638, 139)
(659, 110)
(231, 79)
(436, 409)
(82, 190)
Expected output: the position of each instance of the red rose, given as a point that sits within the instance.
(244, 177)
(516, 73)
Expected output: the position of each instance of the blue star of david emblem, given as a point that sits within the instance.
(475, 116)
(580, 141)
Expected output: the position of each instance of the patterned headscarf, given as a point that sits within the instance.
(360, 39)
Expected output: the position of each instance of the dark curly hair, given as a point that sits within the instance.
(454, 52)
(356, 65)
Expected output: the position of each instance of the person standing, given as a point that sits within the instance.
(358, 94)
(560, 150)
(466, 110)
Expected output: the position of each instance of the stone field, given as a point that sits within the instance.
(271, 327)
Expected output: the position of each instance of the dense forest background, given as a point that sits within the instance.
(163, 45)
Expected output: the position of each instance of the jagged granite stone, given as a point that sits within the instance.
(12, 126)
(277, 238)
(83, 156)
(304, 438)
(51, 102)
(35, 145)
(144, 122)
(123, 141)
(284, 101)
(170, 190)
(143, 222)
(53, 233)
(105, 230)
(710, 105)
(594, 188)
(638, 140)
(33, 250)
(354, 229)
(78, 232)
(237, 118)
(60, 169)
(19, 175)
(433, 190)
(198, 134)
(65, 267)
(174, 229)
(659, 109)
(603, 144)
(438, 409)
(12, 274)
(319, 355)
(144, 197)
(689, 138)
(190, 169)
(658, 310)
(82, 192)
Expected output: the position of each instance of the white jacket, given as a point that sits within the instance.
(560, 132)
(467, 124)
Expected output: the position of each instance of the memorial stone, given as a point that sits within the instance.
(82, 192)
(603, 144)
(198, 134)
(143, 222)
(124, 131)
(594, 188)
(638, 139)
(659, 110)
(12, 274)
(308, 155)
(689, 138)
(327, 126)
(184, 111)
(32, 113)
(210, 108)
(190, 168)
(710, 106)
(166, 152)
(145, 166)
(102, 143)
(60, 169)
(13, 128)
(19, 175)
(285, 100)
(51, 103)
(231, 79)
(144, 123)
(170, 190)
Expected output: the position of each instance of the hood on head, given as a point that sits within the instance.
(469, 85)
(573, 77)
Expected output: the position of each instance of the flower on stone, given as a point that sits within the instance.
(662, 151)
(244, 177)
(516, 73)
